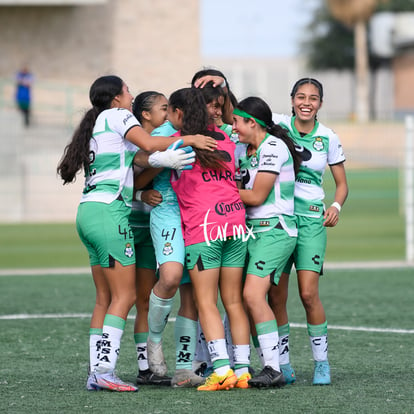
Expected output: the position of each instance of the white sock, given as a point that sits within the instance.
(270, 348)
(241, 359)
(319, 345)
(229, 340)
(284, 350)
(94, 347)
(110, 344)
(218, 351)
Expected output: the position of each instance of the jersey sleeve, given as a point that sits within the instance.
(272, 155)
(123, 122)
(281, 119)
(335, 153)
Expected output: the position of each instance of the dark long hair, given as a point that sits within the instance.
(259, 109)
(76, 153)
(215, 72)
(195, 121)
(144, 102)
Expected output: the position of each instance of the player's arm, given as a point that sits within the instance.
(148, 143)
(142, 177)
(262, 186)
(341, 193)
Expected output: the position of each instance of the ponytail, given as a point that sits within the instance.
(76, 153)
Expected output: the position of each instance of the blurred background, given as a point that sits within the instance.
(361, 50)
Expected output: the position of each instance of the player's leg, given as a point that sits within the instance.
(278, 296)
(113, 250)
(317, 324)
(103, 298)
(309, 258)
(185, 333)
(254, 294)
(231, 296)
(169, 250)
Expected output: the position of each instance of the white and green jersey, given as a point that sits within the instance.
(111, 156)
(272, 156)
(319, 148)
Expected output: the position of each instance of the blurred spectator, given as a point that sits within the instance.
(24, 80)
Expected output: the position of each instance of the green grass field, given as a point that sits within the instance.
(44, 321)
(370, 228)
(44, 341)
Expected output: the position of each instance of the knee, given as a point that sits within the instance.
(170, 283)
(249, 300)
(277, 297)
(309, 298)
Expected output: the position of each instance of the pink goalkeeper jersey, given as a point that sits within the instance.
(210, 205)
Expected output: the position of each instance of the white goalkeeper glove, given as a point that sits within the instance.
(173, 157)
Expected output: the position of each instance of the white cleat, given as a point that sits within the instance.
(156, 360)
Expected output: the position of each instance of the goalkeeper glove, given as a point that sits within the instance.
(173, 157)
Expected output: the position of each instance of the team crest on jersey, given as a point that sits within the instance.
(167, 250)
(318, 144)
(129, 251)
(253, 161)
(234, 137)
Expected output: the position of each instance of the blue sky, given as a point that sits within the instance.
(263, 28)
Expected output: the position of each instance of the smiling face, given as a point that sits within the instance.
(124, 100)
(306, 102)
(245, 129)
(215, 110)
(158, 113)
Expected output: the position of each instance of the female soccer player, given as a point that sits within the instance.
(150, 108)
(168, 241)
(267, 166)
(213, 221)
(319, 147)
(105, 145)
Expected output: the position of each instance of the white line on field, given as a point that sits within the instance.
(61, 271)
(26, 316)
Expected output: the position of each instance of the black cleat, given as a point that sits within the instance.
(147, 377)
(268, 377)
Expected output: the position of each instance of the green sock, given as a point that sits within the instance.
(159, 310)
(185, 333)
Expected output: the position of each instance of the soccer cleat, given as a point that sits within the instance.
(185, 378)
(91, 383)
(156, 360)
(322, 373)
(243, 381)
(201, 369)
(216, 382)
(109, 381)
(288, 373)
(268, 377)
(147, 377)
